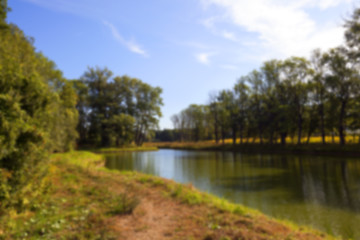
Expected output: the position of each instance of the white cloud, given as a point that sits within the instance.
(229, 35)
(130, 44)
(283, 27)
(204, 58)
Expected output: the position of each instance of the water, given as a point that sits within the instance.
(321, 192)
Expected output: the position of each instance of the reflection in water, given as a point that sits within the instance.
(318, 191)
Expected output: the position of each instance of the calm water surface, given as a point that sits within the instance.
(319, 191)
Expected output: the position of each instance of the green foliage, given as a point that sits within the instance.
(125, 205)
(192, 123)
(3, 12)
(37, 115)
(116, 111)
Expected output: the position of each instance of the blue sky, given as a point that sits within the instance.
(189, 48)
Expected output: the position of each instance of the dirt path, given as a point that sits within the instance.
(160, 217)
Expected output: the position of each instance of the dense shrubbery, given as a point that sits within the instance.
(37, 112)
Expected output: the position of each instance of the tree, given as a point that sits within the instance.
(122, 127)
(3, 12)
(318, 92)
(256, 102)
(295, 72)
(107, 104)
(228, 114)
(343, 82)
(214, 113)
(272, 109)
(99, 96)
(241, 94)
(352, 35)
(82, 106)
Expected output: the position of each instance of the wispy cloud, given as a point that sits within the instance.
(129, 44)
(282, 27)
(229, 35)
(204, 58)
(210, 23)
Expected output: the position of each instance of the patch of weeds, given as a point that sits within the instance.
(177, 191)
(193, 198)
(239, 211)
(143, 179)
(158, 182)
(124, 205)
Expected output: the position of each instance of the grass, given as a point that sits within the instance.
(83, 200)
(122, 149)
(77, 204)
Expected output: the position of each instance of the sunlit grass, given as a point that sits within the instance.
(123, 149)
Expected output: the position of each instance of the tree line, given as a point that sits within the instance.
(42, 112)
(295, 97)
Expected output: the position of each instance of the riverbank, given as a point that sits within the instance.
(83, 200)
(349, 150)
(119, 149)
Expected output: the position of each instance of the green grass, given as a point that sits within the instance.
(76, 205)
(123, 149)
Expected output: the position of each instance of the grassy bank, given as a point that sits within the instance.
(349, 150)
(83, 200)
(121, 149)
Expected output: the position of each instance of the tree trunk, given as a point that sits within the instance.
(300, 120)
(271, 140)
(234, 134)
(223, 135)
(322, 124)
(341, 123)
(216, 129)
(308, 137)
(283, 138)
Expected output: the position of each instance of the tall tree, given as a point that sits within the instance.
(99, 95)
(295, 72)
(343, 82)
(241, 94)
(318, 93)
(271, 75)
(256, 102)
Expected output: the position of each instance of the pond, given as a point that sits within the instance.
(321, 192)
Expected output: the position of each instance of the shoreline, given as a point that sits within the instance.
(334, 150)
(95, 201)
